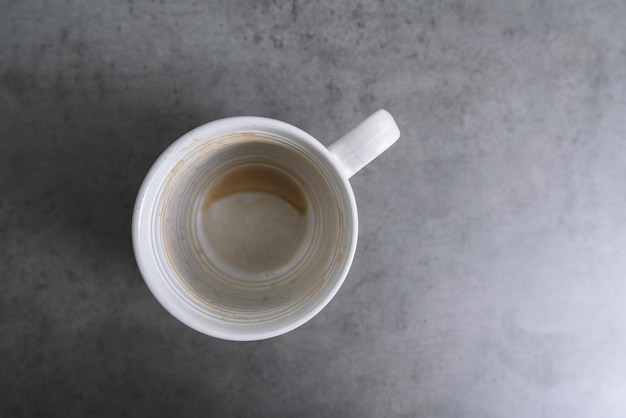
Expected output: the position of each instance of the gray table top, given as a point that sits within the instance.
(490, 273)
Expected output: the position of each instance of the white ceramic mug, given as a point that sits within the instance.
(246, 227)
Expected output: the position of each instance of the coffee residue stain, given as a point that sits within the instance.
(177, 166)
(260, 179)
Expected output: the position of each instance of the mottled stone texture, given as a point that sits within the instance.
(490, 275)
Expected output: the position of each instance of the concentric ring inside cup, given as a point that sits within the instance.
(218, 294)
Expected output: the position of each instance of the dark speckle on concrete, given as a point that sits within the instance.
(64, 35)
(277, 42)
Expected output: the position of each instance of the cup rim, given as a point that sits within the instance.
(142, 232)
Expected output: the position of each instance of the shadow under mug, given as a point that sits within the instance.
(246, 227)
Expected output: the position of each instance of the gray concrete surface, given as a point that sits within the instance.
(490, 275)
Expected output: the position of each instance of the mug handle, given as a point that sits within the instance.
(367, 141)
